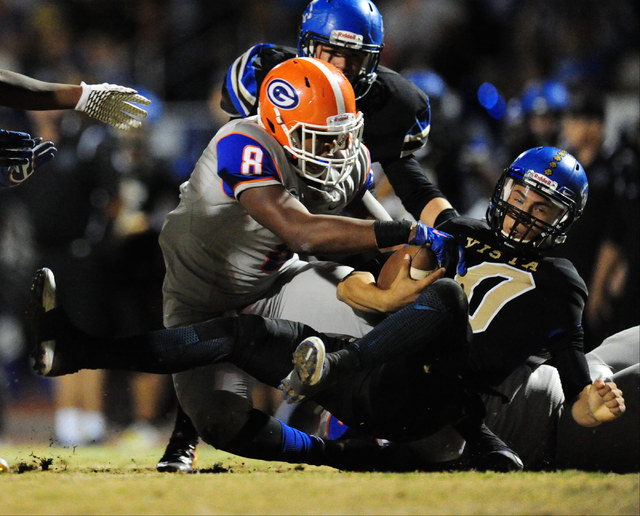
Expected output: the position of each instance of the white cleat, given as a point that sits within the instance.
(43, 299)
(308, 365)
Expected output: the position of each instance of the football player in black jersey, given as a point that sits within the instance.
(424, 366)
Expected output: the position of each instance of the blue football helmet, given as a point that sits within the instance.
(557, 184)
(351, 24)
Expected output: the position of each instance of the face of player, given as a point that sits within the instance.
(533, 204)
(324, 146)
(349, 62)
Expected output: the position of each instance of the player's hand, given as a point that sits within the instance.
(15, 148)
(605, 401)
(113, 104)
(404, 290)
(450, 255)
(17, 174)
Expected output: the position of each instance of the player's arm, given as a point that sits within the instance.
(22, 92)
(598, 403)
(418, 195)
(360, 291)
(276, 209)
(109, 103)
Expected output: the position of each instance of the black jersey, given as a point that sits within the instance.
(396, 116)
(520, 307)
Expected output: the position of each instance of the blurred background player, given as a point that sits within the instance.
(609, 265)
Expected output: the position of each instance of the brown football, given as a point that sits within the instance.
(423, 260)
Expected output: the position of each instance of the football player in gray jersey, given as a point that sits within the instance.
(265, 189)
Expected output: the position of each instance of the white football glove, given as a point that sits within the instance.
(112, 104)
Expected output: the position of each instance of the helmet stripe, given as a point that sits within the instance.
(335, 85)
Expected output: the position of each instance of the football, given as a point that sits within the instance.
(423, 263)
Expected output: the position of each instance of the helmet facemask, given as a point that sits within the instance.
(308, 143)
(534, 229)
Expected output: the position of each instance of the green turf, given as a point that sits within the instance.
(116, 480)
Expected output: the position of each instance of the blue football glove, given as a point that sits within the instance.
(15, 148)
(17, 174)
(449, 253)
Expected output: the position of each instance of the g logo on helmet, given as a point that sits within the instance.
(282, 95)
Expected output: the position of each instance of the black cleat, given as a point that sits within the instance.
(179, 456)
(48, 360)
(489, 453)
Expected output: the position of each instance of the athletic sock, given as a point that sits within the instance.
(266, 438)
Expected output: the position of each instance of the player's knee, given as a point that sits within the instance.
(450, 296)
(220, 420)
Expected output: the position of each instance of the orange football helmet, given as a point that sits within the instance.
(309, 106)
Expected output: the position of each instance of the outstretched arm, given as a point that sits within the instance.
(109, 103)
(598, 403)
(22, 92)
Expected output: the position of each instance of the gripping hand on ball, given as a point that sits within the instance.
(113, 104)
(450, 255)
(17, 174)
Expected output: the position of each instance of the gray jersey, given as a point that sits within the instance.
(218, 258)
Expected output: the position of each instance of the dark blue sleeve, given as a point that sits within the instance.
(240, 84)
(242, 159)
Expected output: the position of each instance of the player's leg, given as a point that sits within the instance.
(529, 421)
(417, 328)
(263, 349)
(423, 329)
(616, 353)
(289, 300)
(217, 399)
(180, 453)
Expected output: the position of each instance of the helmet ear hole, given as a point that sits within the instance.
(272, 126)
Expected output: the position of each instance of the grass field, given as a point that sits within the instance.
(114, 480)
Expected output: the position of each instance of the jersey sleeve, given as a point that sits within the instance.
(243, 162)
(566, 339)
(397, 117)
(241, 85)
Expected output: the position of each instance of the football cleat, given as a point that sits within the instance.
(490, 453)
(179, 456)
(47, 322)
(308, 366)
(43, 299)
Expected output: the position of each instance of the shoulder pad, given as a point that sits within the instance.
(242, 81)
